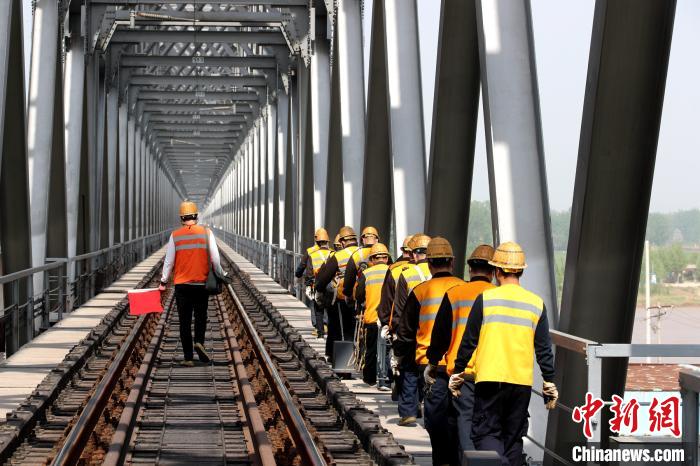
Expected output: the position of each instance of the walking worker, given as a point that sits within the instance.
(315, 262)
(369, 290)
(358, 260)
(413, 340)
(509, 325)
(449, 327)
(305, 269)
(410, 277)
(389, 286)
(191, 248)
(341, 318)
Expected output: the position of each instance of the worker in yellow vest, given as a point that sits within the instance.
(341, 318)
(416, 273)
(316, 260)
(509, 326)
(368, 294)
(412, 342)
(389, 286)
(450, 324)
(305, 269)
(358, 261)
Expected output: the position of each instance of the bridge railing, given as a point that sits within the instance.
(67, 283)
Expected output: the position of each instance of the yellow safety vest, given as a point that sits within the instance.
(506, 348)
(312, 249)
(430, 295)
(396, 268)
(343, 256)
(374, 279)
(416, 274)
(462, 299)
(318, 258)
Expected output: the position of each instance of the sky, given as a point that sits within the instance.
(562, 32)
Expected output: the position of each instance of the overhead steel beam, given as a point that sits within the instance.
(192, 135)
(219, 81)
(629, 55)
(228, 37)
(222, 128)
(201, 118)
(262, 62)
(455, 112)
(145, 94)
(277, 3)
(243, 107)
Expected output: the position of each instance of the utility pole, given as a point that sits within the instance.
(647, 296)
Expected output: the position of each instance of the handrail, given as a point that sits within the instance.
(10, 277)
(571, 342)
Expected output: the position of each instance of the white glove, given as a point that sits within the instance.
(455, 383)
(384, 331)
(395, 363)
(429, 374)
(309, 293)
(550, 394)
(319, 298)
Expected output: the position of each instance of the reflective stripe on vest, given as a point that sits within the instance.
(343, 256)
(318, 258)
(312, 249)
(374, 278)
(191, 256)
(416, 274)
(430, 294)
(462, 299)
(506, 349)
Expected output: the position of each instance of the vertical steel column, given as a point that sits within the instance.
(377, 202)
(318, 112)
(405, 115)
(15, 231)
(112, 134)
(289, 174)
(262, 176)
(278, 212)
(250, 187)
(351, 83)
(257, 205)
(123, 167)
(137, 181)
(306, 206)
(630, 47)
(455, 111)
(40, 112)
(271, 129)
(131, 171)
(143, 179)
(335, 211)
(518, 182)
(73, 89)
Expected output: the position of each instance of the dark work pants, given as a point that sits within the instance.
(411, 390)
(464, 406)
(189, 299)
(347, 315)
(317, 314)
(441, 422)
(334, 333)
(369, 367)
(500, 419)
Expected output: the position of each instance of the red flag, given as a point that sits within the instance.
(144, 301)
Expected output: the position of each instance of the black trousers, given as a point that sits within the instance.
(318, 318)
(341, 325)
(441, 421)
(500, 419)
(191, 299)
(369, 367)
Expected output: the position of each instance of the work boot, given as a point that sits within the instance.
(187, 363)
(314, 333)
(407, 420)
(201, 353)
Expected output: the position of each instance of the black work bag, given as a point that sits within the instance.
(214, 285)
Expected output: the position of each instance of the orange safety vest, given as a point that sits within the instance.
(343, 256)
(191, 259)
(318, 258)
(430, 295)
(462, 299)
(374, 279)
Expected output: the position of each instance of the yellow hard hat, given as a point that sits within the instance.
(483, 252)
(369, 231)
(509, 256)
(406, 242)
(419, 241)
(188, 208)
(347, 232)
(378, 249)
(439, 248)
(337, 240)
(321, 235)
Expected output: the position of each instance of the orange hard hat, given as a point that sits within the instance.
(188, 208)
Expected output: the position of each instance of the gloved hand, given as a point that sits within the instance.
(161, 287)
(379, 325)
(310, 293)
(550, 394)
(455, 383)
(429, 374)
(395, 363)
(227, 278)
(318, 297)
(384, 332)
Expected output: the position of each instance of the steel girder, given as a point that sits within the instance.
(216, 81)
(229, 37)
(455, 109)
(262, 62)
(207, 96)
(629, 55)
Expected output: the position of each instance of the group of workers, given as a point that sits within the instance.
(464, 350)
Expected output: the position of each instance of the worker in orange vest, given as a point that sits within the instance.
(450, 325)
(191, 248)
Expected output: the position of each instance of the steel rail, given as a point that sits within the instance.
(79, 436)
(304, 441)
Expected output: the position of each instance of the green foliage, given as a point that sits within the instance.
(480, 231)
(560, 229)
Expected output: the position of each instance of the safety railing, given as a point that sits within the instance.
(66, 283)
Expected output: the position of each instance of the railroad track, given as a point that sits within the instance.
(256, 402)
